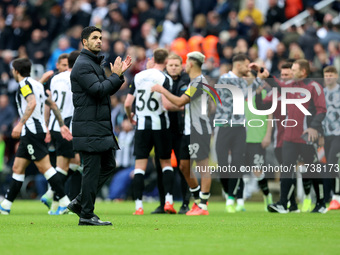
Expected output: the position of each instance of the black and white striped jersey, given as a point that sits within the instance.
(62, 95)
(36, 122)
(193, 111)
(149, 108)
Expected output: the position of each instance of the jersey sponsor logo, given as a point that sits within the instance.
(26, 90)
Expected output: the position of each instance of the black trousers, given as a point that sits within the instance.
(231, 139)
(290, 153)
(332, 152)
(98, 168)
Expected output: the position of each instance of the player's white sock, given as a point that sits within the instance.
(61, 171)
(240, 201)
(230, 201)
(49, 193)
(169, 198)
(308, 196)
(6, 204)
(49, 173)
(64, 201)
(336, 197)
(139, 204)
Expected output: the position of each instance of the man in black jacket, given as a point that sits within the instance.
(91, 127)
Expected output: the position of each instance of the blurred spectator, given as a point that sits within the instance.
(7, 116)
(290, 36)
(203, 6)
(180, 46)
(251, 11)
(320, 61)
(241, 47)
(209, 48)
(215, 24)
(210, 69)
(144, 11)
(171, 29)
(274, 14)
(307, 42)
(74, 34)
(99, 13)
(295, 52)
(125, 37)
(293, 8)
(334, 54)
(265, 42)
(199, 25)
(38, 48)
(332, 34)
(63, 47)
(114, 22)
(159, 11)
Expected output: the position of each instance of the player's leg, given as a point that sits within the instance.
(44, 166)
(309, 155)
(162, 140)
(160, 208)
(18, 177)
(287, 178)
(332, 154)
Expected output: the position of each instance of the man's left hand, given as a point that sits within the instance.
(312, 134)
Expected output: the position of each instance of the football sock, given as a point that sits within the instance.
(230, 200)
(168, 179)
(287, 189)
(307, 185)
(263, 184)
(318, 188)
(196, 193)
(138, 184)
(169, 198)
(204, 196)
(336, 186)
(139, 204)
(13, 191)
(55, 182)
(240, 201)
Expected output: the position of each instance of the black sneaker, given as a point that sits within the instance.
(319, 208)
(277, 208)
(184, 209)
(94, 221)
(158, 210)
(294, 209)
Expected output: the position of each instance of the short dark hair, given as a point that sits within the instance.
(23, 66)
(303, 64)
(87, 31)
(287, 65)
(72, 57)
(62, 56)
(330, 69)
(160, 55)
(239, 58)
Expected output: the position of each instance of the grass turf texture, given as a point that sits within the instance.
(29, 230)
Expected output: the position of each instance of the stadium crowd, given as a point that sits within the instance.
(47, 31)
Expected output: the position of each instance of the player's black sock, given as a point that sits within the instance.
(14, 189)
(224, 183)
(287, 189)
(138, 184)
(292, 199)
(307, 185)
(185, 191)
(336, 186)
(263, 184)
(56, 184)
(240, 189)
(318, 188)
(233, 184)
(168, 179)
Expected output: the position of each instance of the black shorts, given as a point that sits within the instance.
(184, 151)
(32, 146)
(199, 146)
(255, 154)
(62, 146)
(146, 139)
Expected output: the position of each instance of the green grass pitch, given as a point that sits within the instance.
(29, 230)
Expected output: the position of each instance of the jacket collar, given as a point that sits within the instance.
(96, 58)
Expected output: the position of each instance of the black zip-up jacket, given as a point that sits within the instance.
(177, 118)
(91, 128)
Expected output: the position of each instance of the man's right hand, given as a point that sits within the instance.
(132, 121)
(157, 88)
(117, 66)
